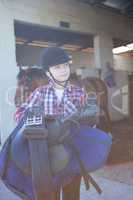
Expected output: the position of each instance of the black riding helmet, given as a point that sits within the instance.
(52, 56)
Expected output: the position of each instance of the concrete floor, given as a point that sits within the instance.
(116, 182)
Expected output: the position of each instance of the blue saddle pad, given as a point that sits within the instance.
(92, 144)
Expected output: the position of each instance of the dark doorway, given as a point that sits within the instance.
(31, 38)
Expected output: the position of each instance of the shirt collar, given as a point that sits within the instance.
(68, 86)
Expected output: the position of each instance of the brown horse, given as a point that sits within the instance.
(27, 81)
(97, 86)
(93, 84)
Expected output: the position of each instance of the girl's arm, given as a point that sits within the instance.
(32, 99)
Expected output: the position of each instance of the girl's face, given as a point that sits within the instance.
(60, 72)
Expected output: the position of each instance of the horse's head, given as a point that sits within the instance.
(27, 81)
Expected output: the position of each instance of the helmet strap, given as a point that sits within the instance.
(60, 83)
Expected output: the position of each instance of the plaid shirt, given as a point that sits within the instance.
(73, 98)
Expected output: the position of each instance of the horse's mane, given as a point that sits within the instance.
(31, 73)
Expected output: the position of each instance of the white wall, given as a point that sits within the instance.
(8, 71)
(124, 62)
(118, 96)
(82, 17)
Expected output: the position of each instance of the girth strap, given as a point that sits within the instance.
(87, 178)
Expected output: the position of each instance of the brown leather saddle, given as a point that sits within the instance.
(20, 151)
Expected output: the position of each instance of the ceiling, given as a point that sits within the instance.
(41, 36)
(31, 34)
(120, 6)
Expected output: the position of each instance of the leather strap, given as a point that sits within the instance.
(87, 178)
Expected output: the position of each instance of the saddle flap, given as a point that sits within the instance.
(59, 158)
